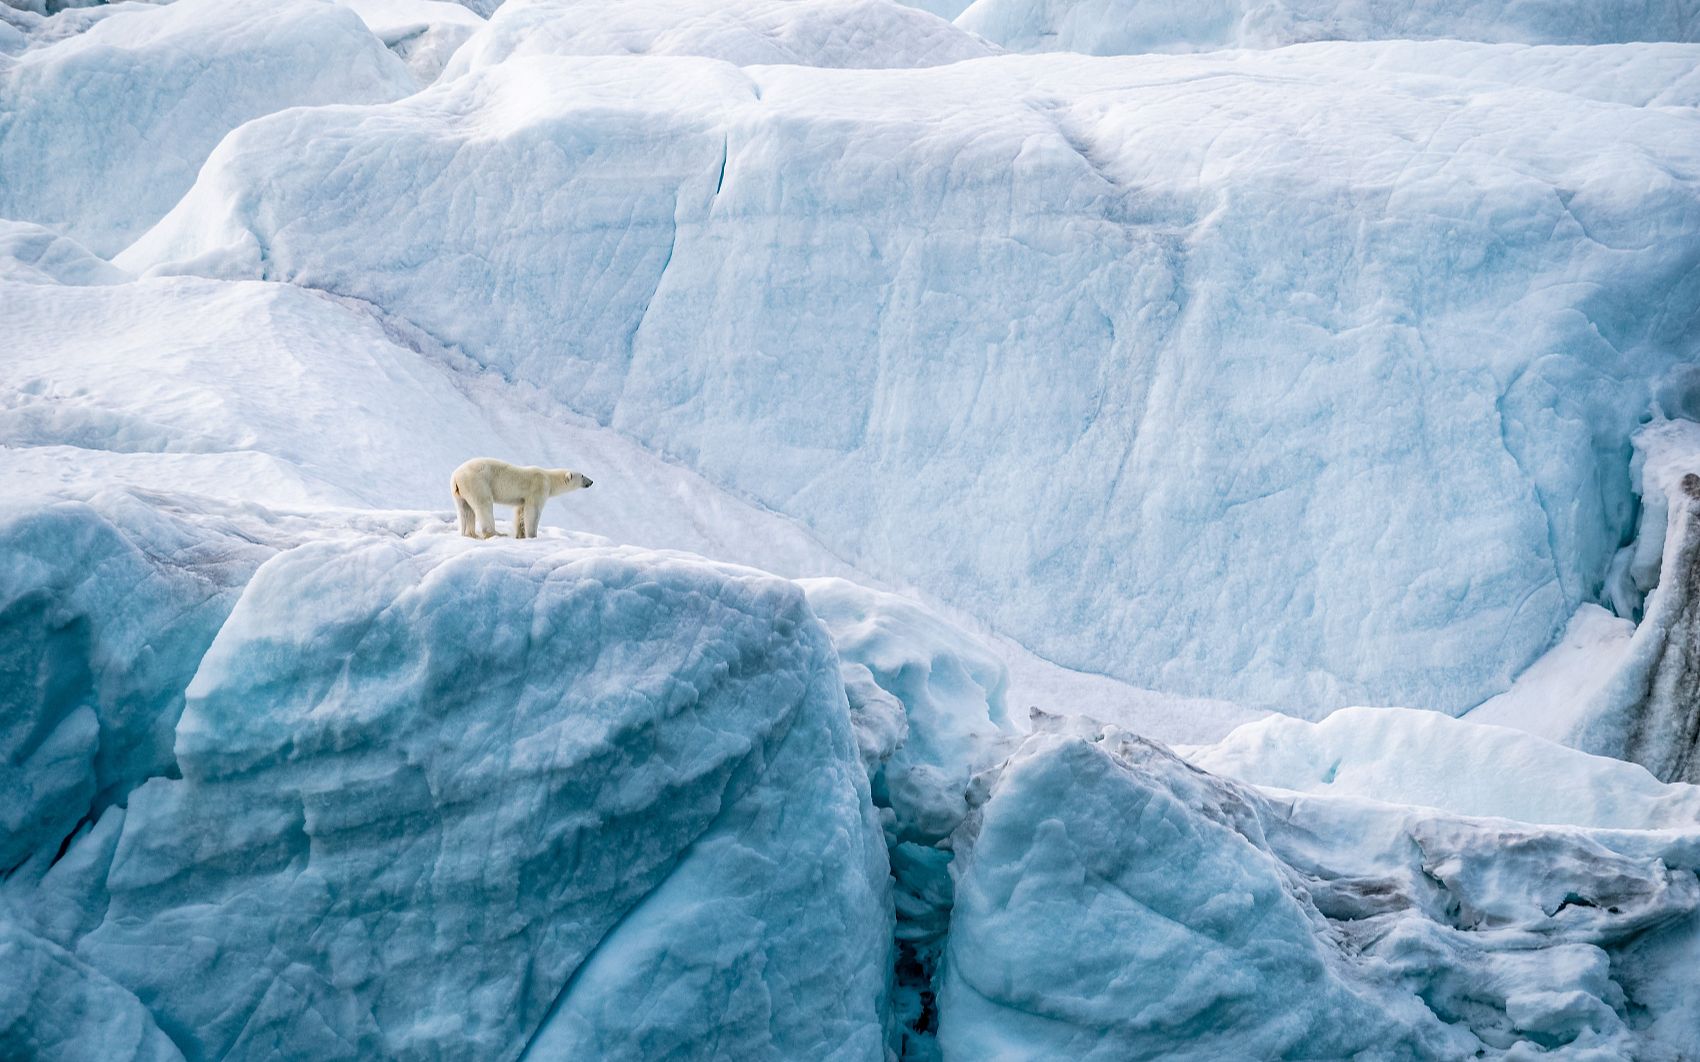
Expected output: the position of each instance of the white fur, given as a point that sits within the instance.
(483, 483)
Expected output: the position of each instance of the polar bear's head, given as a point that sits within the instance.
(562, 480)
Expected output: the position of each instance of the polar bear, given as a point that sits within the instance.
(484, 482)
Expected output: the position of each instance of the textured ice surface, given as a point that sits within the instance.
(1637, 75)
(833, 33)
(103, 130)
(438, 796)
(54, 1006)
(1113, 902)
(1114, 354)
(1553, 696)
(1114, 27)
(951, 688)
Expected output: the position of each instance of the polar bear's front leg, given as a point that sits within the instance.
(527, 515)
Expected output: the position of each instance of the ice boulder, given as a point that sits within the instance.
(31, 254)
(832, 33)
(1116, 27)
(452, 798)
(102, 131)
(1114, 909)
(1021, 331)
(422, 33)
(1113, 902)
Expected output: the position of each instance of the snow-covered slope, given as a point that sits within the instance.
(1116, 353)
(1405, 756)
(1118, 27)
(832, 33)
(103, 130)
(269, 394)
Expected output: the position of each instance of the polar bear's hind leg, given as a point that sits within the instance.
(464, 512)
(486, 510)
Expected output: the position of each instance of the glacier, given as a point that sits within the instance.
(1127, 556)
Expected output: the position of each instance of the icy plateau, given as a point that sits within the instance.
(1123, 529)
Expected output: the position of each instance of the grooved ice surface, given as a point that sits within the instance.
(1113, 27)
(1250, 376)
(103, 130)
(833, 33)
(438, 795)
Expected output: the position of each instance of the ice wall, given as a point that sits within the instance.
(1246, 376)
(105, 609)
(1118, 27)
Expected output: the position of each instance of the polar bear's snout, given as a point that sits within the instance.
(588, 482)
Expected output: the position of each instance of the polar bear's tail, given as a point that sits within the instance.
(468, 522)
